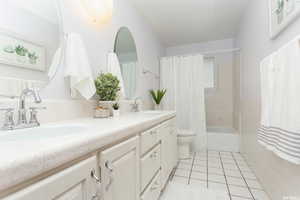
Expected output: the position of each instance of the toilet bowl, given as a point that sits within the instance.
(185, 139)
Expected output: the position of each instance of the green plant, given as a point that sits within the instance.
(32, 55)
(107, 86)
(20, 50)
(158, 95)
(116, 106)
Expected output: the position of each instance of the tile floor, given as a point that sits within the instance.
(221, 171)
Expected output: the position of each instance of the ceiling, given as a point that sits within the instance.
(179, 22)
(46, 9)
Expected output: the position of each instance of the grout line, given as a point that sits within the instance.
(242, 175)
(189, 181)
(225, 177)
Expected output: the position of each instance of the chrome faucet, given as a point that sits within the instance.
(9, 123)
(135, 105)
(22, 120)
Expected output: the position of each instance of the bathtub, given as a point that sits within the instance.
(223, 139)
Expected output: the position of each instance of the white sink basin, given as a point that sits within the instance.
(43, 132)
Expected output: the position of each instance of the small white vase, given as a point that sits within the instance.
(116, 113)
(157, 106)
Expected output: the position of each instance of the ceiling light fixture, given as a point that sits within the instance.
(99, 10)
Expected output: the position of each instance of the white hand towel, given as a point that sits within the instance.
(113, 66)
(280, 133)
(55, 63)
(78, 68)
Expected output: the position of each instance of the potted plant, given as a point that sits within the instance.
(116, 110)
(107, 88)
(157, 97)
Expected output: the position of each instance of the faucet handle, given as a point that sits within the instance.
(33, 115)
(8, 119)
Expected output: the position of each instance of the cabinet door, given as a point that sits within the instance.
(74, 183)
(120, 171)
(169, 152)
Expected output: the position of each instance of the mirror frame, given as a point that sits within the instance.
(137, 68)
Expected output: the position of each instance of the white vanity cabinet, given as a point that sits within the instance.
(120, 171)
(74, 183)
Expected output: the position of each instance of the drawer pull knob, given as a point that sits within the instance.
(111, 178)
(95, 177)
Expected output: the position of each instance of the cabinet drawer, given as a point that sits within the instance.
(154, 189)
(150, 164)
(149, 139)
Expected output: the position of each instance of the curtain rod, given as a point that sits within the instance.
(209, 52)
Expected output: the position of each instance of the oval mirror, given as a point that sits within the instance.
(126, 51)
(30, 35)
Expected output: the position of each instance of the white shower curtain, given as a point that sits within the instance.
(182, 76)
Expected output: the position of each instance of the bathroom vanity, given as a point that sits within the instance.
(126, 158)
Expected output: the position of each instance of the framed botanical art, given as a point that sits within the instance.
(19, 52)
(282, 13)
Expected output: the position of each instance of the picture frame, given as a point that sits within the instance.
(18, 51)
(281, 14)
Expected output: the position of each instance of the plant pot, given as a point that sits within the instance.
(107, 105)
(116, 113)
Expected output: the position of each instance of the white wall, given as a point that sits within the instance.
(279, 177)
(218, 103)
(99, 40)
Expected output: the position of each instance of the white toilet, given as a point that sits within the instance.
(185, 139)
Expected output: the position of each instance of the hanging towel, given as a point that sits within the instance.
(55, 63)
(113, 66)
(280, 116)
(78, 69)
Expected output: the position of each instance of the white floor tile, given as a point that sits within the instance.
(236, 181)
(198, 183)
(254, 184)
(199, 176)
(239, 198)
(200, 162)
(215, 165)
(182, 173)
(230, 166)
(217, 187)
(218, 171)
(184, 166)
(216, 178)
(187, 161)
(239, 191)
(233, 173)
(199, 168)
(260, 195)
(245, 168)
(228, 161)
(182, 180)
(249, 175)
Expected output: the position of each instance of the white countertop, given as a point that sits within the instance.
(21, 160)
